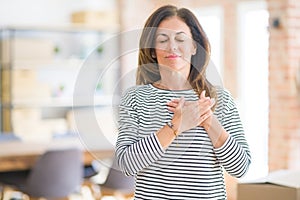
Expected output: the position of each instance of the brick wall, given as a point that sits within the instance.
(284, 64)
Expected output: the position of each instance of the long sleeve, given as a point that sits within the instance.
(234, 155)
(190, 168)
(134, 152)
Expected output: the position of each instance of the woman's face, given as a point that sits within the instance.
(174, 45)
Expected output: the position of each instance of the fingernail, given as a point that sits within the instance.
(213, 101)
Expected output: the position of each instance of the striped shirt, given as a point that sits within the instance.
(190, 168)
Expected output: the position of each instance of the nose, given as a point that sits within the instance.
(173, 46)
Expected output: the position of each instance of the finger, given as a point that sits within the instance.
(181, 102)
(202, 95)
(175, 100)
(204, 103)
(172, 104)
(206, 110)
(207, 103)
(205, 116)
(212, 102)
(205, 107)
(205, 100)
(172, 109)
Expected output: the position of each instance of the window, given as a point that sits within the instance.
(210, 19)
(253, 82)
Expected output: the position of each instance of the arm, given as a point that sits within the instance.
(231, 147)
(133, 153)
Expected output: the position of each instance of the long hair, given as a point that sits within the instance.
(148, 69)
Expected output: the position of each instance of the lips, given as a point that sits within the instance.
(172, 56)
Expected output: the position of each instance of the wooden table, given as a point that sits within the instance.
(21, 155)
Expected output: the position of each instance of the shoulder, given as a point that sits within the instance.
(137, 89)
(132, 93)
(224, 98)
(223, 93)
(226, 106)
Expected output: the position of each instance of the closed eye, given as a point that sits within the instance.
(162, 41)
(162, 38)
(180, 40)
(181, 37)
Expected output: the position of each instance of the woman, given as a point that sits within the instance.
(176, 130)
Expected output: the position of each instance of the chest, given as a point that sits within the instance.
(153, 110)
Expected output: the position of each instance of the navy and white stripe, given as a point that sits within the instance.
(190, 168)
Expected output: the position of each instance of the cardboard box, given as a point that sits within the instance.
(97, 19)
(279, 185)
(33, 49)
(26, 87)
(27, 49)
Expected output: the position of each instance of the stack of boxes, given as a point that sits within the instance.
(23, 92)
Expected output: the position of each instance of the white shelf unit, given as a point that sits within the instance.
(40, 67)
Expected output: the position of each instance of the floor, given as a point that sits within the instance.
(86, 193)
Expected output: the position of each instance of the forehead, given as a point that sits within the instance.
(173, 25)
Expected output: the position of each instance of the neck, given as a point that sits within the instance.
(173, 81)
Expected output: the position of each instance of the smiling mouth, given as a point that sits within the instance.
(173, 56)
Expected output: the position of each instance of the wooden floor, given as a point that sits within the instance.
(86, 193)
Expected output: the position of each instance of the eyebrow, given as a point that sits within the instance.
(164, 34)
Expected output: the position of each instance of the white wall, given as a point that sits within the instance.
(44, 12)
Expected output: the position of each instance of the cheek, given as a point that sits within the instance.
(159, 53)
(190, 49)
(187, 53)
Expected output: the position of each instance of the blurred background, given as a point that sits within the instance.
(64, 64)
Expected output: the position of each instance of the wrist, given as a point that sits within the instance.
(208, 123)
(171, 125)
(176, 125)
(206, 126)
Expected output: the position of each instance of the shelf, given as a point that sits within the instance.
(105, 100)
(41, 68)
(71, 64)
(59, 64)
(70, 27)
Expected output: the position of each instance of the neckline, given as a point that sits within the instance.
(161, 89)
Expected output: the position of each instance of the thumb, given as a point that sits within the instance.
(202, 95)
(181, 102)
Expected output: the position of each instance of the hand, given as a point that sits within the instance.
(189, 114)
(206, 124)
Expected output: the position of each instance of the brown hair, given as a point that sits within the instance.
(148, 70)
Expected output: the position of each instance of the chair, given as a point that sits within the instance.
(7, 137)
(57, 174)
(116, 183)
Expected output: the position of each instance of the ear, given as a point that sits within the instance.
(194, 50)
(153, 55)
